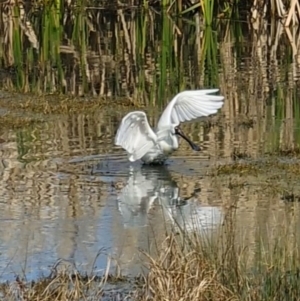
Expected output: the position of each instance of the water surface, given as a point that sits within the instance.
(57, 204)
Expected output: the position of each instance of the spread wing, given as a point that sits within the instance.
(188, 105)
(135, 135)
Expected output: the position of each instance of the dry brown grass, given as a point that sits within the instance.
(180, 275)
(60, 287)
(64, 283)
(191, 266)
(194, 268)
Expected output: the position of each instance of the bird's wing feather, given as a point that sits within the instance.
(135, 135)
(188, 105)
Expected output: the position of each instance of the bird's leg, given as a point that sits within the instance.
(194, 146)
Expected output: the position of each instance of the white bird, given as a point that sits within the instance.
(154, 146)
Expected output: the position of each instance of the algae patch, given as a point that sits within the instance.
(11, 121)
(236, 168)
(60, 104)
(258, 167)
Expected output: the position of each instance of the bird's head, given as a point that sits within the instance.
(174, 129)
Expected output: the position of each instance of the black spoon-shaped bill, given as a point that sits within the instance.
(180, 133)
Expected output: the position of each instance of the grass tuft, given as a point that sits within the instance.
(192, 268)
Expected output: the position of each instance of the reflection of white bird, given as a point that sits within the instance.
(194, 217)
(153, 147)
(150, 188)
(143, 189)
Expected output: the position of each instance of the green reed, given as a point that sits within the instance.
(165, 3)
(142, 41)
(191, 8)
(17, 49)
(209, 58)
(165, 57)
(80, 39)
(208, 11)
(50, 53)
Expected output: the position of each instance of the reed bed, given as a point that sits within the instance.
(84, 50)
(144, 57)
(288, 11)
(137, 53)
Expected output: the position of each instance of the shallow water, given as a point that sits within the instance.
(57, 204)
(66, 192)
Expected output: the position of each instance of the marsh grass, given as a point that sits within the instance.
(192, 268)
(64, 283)
(60, 287)
(189, 266)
